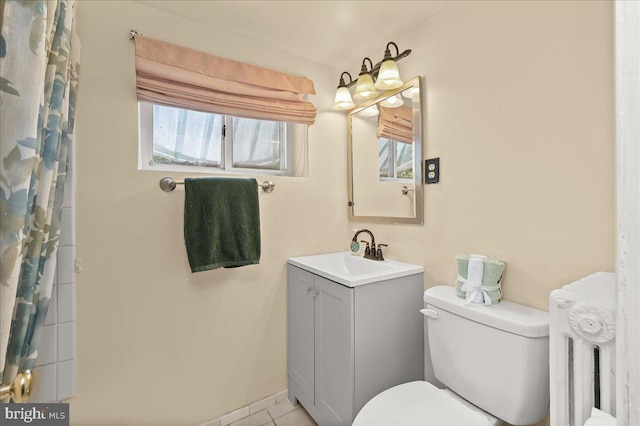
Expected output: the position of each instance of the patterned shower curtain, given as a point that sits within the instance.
(39, 57)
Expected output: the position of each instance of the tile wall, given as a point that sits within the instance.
(55, 370)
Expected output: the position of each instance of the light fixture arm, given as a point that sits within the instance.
(387, 52)
(363, 69)
(375, 69)
(342, 83)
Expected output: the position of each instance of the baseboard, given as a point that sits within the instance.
(248, 410)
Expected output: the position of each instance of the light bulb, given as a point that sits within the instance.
(389, 76)
(411, 92)
(394, 101)
(343, 99)
(365, 88)
(371, 111)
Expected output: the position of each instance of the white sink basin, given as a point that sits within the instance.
(352, 271)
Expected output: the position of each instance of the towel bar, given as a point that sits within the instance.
(168, 184)
(406, 190)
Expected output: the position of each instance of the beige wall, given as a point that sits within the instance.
(519, 107)
(158, 345)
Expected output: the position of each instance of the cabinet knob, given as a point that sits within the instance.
(315, 293)
(308, 289)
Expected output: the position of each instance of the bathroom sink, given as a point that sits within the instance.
(350, 270)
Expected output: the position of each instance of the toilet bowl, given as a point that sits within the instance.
(493, 359)
(421, 403)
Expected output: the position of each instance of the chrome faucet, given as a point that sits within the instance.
(371, 251)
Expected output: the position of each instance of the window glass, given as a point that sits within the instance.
(395, 159)
(174, 139)
(186, 137)
(385, 164)
(258, 144)
(404, 160)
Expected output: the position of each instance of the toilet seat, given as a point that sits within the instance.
(418, 404)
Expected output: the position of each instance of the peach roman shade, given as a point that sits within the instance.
(396, 124)
(175, 76)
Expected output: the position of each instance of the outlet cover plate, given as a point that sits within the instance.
(432, 170)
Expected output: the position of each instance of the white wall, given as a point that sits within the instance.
(157, 344)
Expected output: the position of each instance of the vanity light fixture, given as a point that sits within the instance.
(343, 99)
(389, 76)
(365, 88)
(383, 76)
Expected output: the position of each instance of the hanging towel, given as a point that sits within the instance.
(221, 223)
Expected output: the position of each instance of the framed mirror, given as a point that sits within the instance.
(385, 157)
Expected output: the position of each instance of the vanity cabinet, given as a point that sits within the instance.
(347, 344)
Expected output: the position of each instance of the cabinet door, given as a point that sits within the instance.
(301, 330)
(334, 351)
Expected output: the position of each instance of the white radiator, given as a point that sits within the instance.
(582, 349)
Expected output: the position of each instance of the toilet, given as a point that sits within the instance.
(493, 360)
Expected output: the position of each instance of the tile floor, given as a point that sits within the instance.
(281, 414)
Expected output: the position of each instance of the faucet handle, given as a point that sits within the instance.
(379, 255)
(367, 249)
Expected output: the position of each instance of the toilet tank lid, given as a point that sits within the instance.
(507, 316)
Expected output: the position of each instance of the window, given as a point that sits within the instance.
(175, 139)
(190, 104)
(395, 160)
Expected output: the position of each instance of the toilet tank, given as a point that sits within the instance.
(496, 357)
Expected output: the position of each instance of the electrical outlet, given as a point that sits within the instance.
(432, 170)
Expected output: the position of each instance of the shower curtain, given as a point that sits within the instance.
(39, 59)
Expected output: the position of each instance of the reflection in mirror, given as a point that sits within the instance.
(395, 139)
(385, 161)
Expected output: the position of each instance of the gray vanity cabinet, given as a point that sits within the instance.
(301, 333)
(334, 350)
(320, 345)
(347, 344)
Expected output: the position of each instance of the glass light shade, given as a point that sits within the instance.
(394, 101)
(343, 99)
(365, 88)
(371, 111)
(388, 76)
(411, 92)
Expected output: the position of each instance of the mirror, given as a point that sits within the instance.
(385, 157)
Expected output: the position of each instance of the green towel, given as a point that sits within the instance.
(492, 275)
(462, 261)
(221, 223)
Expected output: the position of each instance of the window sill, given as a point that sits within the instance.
(210, 170)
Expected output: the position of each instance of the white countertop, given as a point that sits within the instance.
(354, 270)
